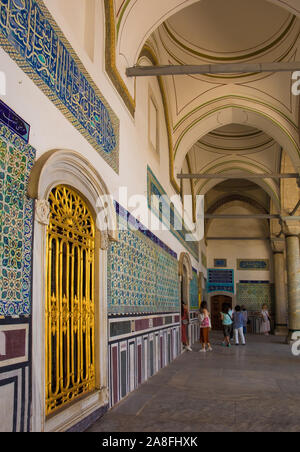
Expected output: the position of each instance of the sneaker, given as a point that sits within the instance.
(202, 350)
(188, 348)
(229, 346)
(237, 345)
(209, 349)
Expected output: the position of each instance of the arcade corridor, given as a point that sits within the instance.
(256, 388)
(149, 168)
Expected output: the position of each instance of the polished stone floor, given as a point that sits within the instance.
(252, 388)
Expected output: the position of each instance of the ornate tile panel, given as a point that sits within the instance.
(220, 280)
(254, 295)
(194, 292)
(32, 38)
(155, 189)
(16, 212)
(142, 273)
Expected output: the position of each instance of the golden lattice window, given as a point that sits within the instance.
(70, 301)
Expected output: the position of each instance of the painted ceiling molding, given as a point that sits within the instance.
(207, 122)
(110, 57)
(238, 98)
(149, 15)
(204, 55)
(270, 188)
(192, 188)
(236, 197)
(149, 53)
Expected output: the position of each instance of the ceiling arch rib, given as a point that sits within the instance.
(244, 113)
(235, 200)
(241, 207)
(228, 168)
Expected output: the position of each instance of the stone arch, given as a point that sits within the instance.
(240, 201)
(185, 271)
(289, 189)
(68, 168)
(233, 199)
(185, 260)
(237, 110)
(229, 167)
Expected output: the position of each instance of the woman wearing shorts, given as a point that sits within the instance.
(227, 324)
(205, 325)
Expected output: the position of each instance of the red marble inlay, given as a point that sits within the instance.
(142, 324)
(15, 344)
(158, 321)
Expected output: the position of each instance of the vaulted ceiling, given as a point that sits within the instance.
(214, 31)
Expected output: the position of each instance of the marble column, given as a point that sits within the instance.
(281, 302)
(293, 272)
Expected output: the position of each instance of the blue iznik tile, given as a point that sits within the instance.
(16, 214)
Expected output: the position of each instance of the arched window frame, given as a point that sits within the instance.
(64, 167)
(185, 262)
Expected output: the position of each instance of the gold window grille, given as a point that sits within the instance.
(70, 302)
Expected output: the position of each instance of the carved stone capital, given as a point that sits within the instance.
(42, 211)
(291, 227)
(104, 241)
(278, 246)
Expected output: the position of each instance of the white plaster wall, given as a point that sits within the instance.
(241, 249)
(26, 99)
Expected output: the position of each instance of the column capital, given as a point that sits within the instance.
(42, 211)
(104, 240)
(278, 245)
(291, 228)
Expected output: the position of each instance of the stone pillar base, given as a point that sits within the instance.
(281, 330)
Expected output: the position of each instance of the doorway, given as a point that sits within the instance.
(216, 307)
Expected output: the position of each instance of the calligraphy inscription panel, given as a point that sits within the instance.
(32, 38)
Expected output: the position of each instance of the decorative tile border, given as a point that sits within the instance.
(32, 38)
(110, 57)
(14, 122)
(131, 221)
(155, 189)
(253, 264)
(16, 214)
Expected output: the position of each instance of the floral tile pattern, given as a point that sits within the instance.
(142, 274)
(16, 212)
